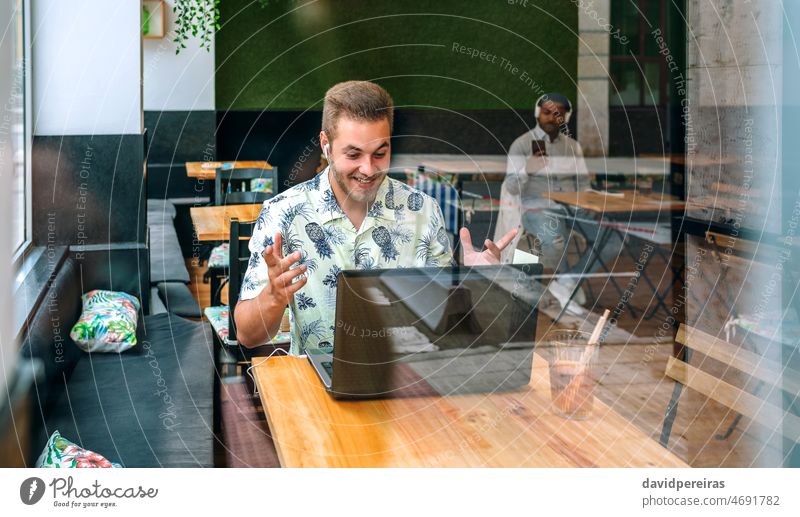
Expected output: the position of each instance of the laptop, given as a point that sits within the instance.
(432, 331)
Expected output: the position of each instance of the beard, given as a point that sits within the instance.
(550, 127)
(353, 193)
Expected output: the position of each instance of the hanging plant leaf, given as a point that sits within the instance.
(198, 18)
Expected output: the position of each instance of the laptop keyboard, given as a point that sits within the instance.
(328, 367)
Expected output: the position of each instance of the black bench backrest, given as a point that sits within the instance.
(47, 335)
(112, 404)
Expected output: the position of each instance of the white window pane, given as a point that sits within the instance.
(15, 130)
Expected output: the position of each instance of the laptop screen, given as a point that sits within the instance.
(435, 331)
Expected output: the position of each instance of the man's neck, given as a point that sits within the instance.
(552, 136)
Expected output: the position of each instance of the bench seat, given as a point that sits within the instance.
(151, 406)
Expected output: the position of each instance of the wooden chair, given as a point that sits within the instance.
(239, 258)
(221, 317)
(765, 377)
(230, 351)
(233, 186)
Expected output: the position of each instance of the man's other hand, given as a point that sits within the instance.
(491, 255)
(536, 163)
(281, 285)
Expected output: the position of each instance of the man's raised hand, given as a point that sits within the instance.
(491, 255)
(280, 284)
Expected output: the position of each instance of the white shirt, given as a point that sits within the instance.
(564, 168)
(527, 177)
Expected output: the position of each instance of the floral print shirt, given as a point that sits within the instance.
(403, 228)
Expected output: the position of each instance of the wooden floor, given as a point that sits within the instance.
(633, 383)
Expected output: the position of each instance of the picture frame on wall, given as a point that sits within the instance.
(153, 19)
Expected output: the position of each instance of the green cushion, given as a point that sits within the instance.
(108, 322)
(62, 453)
(218, 317)
(220, 256)
(261, 185)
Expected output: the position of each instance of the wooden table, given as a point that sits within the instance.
(208, 170)
(456, 168)
(626, 215)
(630, 202)
(588, 201)
(628, 165)
(697, 160)
(213, 223)
(450, 163)
(513, 429)
(466, 165)
(491, 164)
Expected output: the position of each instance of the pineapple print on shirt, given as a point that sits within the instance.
(403, 228)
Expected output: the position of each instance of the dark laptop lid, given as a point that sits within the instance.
(428, 331)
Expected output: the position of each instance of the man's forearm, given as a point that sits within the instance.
(257, 320)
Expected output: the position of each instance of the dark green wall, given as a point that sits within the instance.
(277, 58)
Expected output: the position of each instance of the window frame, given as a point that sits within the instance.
(27, 121)
(641, 59)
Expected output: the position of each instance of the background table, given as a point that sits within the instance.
(450, 163)
(513, 429)
(632, 214)
(213, 223)
(442, 177)
(491, 164)
(208, 170)
(629, 202)
(487, 164)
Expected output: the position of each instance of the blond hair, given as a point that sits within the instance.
(358, 100)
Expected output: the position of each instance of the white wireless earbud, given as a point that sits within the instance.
(325, 150)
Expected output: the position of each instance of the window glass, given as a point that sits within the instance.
(15, 133)
(652, 12)
(652, 88)
(630, 85)
(625, 17)
(625, 84)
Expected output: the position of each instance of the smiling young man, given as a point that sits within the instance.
(349, 216)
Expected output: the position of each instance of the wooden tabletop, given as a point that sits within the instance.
(631, 201)
(513, 429)
(477, 164)
(735, 205)
(697, 160)
(497, 164)
(628, 165)
(469, 204)
(213, 223)
(450, 163)
(208, 170)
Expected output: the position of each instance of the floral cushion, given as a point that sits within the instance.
(218, 317)
(108, 322)
(219, 257)
(261, 185)
(60, 453)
